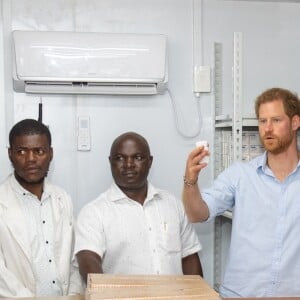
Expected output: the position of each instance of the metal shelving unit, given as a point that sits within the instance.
(234, 135)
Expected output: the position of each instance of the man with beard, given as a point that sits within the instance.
(265, 197)
(36, 221)
(133, 227)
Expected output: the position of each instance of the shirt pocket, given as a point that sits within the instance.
(170, 237)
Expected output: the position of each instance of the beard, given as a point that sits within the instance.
(27, 181)
(276, 145)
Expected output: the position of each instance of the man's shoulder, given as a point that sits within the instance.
(95, 208)
(165, 195)
(242, 165)
(5, 185)
(160, 192)
(100, 201)
(56, 190)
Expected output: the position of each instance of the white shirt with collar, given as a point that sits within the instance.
(27, 244)
(137, 239)
(40, 233)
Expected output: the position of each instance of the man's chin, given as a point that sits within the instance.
(275, 149)
(35, 180)
(31, 180)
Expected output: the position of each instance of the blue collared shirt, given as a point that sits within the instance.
(264, 254)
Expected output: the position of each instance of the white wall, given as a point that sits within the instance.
(271, 43)
(2, 104)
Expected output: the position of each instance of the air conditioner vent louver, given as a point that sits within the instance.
(90, 88)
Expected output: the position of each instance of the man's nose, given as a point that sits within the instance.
(30, 155)
(129, 162)
(269, 126)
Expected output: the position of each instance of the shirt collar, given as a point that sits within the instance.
(261, 163)
(17, 187)
(116, 194)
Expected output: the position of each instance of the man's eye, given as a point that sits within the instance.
(138, 157)
(40, 151)
(119, 158)
(21, 152)
(262, 121)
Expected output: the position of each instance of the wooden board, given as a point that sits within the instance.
(146, 287)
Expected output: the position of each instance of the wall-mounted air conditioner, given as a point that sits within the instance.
(59, 62)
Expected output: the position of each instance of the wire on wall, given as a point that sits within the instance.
(181, 133)
(198, 56)
(40, 115)
(198, 65)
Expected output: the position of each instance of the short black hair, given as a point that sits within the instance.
(29, 127)
(130, 135)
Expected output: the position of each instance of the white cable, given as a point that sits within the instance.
(176, 119)
(197, 61)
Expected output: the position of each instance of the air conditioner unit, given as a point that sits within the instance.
(60, 62)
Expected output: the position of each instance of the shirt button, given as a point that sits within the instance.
(150, 228)
(53, 281)
(47, 242)
(44, 222)
(50, 260)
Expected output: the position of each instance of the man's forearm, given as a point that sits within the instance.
(191, 265)
(89, 262)
(196, 209)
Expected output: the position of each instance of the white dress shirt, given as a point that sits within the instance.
(137, 239)
(27, 244)
(38, 215)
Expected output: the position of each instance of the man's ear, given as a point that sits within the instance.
(295, 122)
(150, 161)
(9, 151)
(51, 153)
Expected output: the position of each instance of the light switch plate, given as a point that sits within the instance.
(84, 134)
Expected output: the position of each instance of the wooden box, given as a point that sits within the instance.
(146, 287)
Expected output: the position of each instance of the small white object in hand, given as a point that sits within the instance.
(205, 159)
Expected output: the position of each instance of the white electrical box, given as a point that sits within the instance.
(83, 134)
(202, 79)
